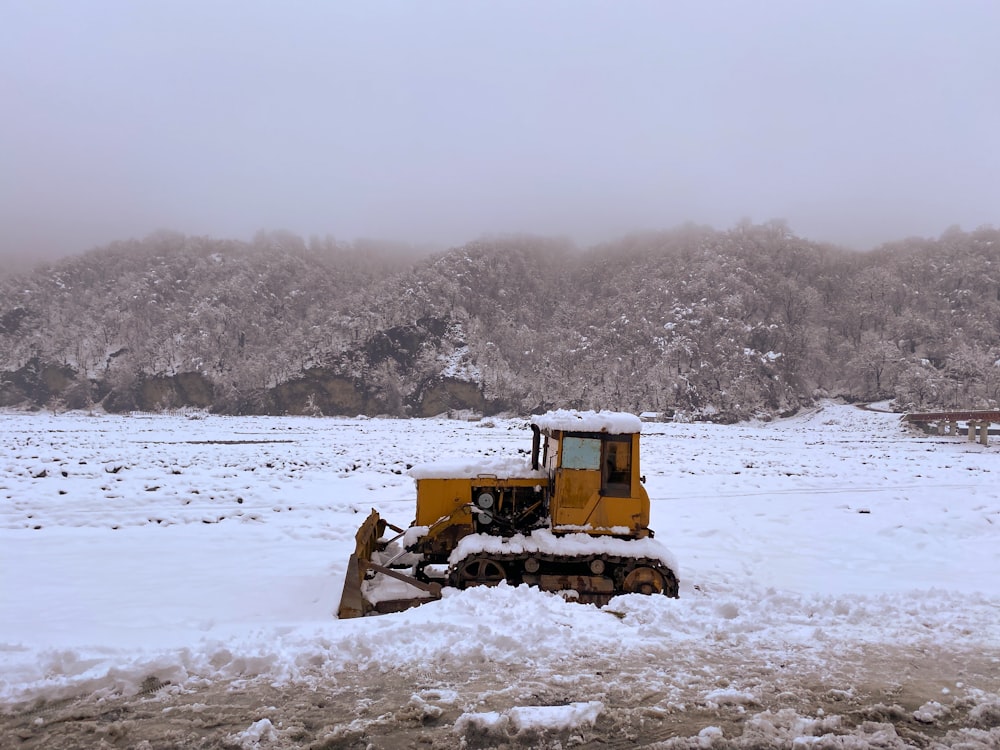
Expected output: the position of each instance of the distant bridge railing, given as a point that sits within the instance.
(978, 422)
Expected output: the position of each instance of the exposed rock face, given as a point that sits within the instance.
(36, 383)
(162, 392)
(321, 391)
(394, 371)
(439, 395)
(183, 389)
(318, 391)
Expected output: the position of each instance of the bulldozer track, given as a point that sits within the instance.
(615, 570)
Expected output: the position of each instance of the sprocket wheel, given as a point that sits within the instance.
(644, 580)
(480, 571)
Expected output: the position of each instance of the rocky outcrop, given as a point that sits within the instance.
(35, 384)
(160, 392)
(318, 392)
(440, 395)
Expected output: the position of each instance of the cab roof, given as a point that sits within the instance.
(570, 420)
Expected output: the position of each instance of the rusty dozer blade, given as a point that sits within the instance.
(352, 601)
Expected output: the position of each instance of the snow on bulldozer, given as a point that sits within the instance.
(573, 519)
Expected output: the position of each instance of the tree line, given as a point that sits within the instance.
(697, 322)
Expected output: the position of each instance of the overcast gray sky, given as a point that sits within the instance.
(437, 122)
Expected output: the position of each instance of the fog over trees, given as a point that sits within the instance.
(700, 323)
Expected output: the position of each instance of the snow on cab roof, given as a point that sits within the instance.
(516, 467)
(570, 420)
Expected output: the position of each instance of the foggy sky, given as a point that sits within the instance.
(437, 122)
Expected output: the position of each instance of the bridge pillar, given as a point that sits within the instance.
(984, 432)
(953, 427)
(940, 426)
(973, 426)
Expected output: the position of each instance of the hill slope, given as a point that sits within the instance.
(705, 323)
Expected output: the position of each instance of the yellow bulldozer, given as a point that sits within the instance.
(574, 518)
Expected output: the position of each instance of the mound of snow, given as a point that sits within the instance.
(520, 720)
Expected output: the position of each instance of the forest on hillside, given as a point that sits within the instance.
(693, 322)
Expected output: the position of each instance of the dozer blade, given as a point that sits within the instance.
(352, 601)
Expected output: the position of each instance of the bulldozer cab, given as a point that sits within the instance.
(593, 466)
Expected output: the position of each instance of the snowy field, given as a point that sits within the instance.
(171, 581)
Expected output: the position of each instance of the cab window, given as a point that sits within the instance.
(581, 453)
(616, 471)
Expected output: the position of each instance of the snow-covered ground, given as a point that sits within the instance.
(840, 587)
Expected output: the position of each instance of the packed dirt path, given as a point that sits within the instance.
(879, 698)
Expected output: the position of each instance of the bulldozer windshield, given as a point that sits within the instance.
(581, 453)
